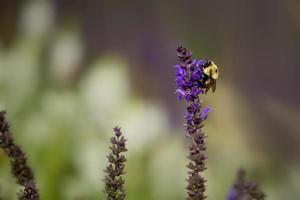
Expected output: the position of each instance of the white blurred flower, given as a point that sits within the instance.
(91, 161)
(36, 18)
(105, 92)
(65, 56)
(167, 169)
(56, 110)
(142, 123)
(105, 89)
(19, 69)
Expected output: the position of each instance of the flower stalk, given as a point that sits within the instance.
(19, 167)
(190, 84)
(114, 182)
(243, 189)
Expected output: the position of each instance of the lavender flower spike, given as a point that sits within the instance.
(113, 180)
(191, 80)
(244, 190)
(30, 192)
(21, 171)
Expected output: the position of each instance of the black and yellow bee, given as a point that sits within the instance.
(210, 76)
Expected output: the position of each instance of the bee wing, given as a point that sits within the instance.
(214, 85)
(207, 88)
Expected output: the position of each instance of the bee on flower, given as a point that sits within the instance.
(194, 77)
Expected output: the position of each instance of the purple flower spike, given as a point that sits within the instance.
(190, 81)
(243, 189)
(19, 165)
(114, 181)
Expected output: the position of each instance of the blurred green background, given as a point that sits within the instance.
(70, 70)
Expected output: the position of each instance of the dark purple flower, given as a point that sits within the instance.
(30, 192)
(243, 189)
(114, 182)
(19, 166)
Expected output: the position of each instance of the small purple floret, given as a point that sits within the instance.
(189, 79)
(205, 112)
(232, 194)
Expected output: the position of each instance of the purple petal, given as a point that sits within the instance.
(205, 112)
(180, 93)
(232, 194)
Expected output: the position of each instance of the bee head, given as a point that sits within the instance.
(207, 63)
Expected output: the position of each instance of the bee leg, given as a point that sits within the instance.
(214, 85)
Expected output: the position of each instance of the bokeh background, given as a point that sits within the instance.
(70, 70)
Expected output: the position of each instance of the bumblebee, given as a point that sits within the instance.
(210, 76)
